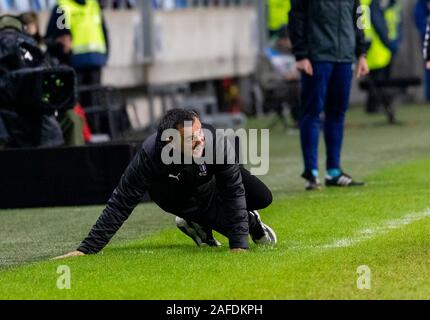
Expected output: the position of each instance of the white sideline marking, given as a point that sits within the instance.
(370, 233)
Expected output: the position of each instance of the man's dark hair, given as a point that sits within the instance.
(175, 118)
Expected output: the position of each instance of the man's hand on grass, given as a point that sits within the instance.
(70, 255)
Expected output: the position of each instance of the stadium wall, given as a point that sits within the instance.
(189, 45)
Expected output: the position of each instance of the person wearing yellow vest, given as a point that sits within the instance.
(77, 35)
(278, 11)
(383, 36)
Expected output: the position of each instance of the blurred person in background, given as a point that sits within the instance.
(78, 32)
(77, 36)
(73, 121)
(422, 13)
(326, 42)
(20, 126)
(276, 69)
(278, 11)
(383, 38)
(279, 77)
(426, 46)
(31, 23)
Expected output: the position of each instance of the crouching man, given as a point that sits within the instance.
(204, 196)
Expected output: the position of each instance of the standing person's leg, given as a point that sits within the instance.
(88, 77)
(72, 127)
(386, 96)
(82, 76)
(337, 103)
(373, 98)
(95, 76)
(83, 81)
(88, 99)
(314, 89)
(378, 96)
(427, 84)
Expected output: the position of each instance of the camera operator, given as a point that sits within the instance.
(31, 91)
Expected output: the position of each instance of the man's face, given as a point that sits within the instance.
(192, 139)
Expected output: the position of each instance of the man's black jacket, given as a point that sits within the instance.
(178, 189)
(326, 30)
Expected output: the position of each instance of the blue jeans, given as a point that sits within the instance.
(327, 90)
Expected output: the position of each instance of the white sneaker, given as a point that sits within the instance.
(269, 236)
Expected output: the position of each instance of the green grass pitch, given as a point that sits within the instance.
(323, 237)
